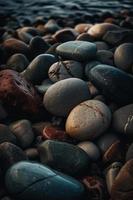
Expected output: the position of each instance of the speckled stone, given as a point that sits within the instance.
(59, 100)
(88, 120)
(67, 158)
(113, 83)
(65, 69)
(17, 94)
(123, 56)
(37, 70)
(77, 50)
(26, 180)
(123, 120)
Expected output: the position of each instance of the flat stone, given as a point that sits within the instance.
(113, 83)
(26, 180)
(67, 158)
(77, 50)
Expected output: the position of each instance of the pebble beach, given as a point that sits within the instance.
(66, 100)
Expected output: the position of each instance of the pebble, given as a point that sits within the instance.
(3, 113)
(111, 173)
(6, 135)
(85, 37)
(63, 91)
(37, 70)
(123, 58)
(22, 129)
(67, 158)
(99, 30)
(113, 83)
(17, 94)
(26, 180)
(105, 57)
(13, 46)
(77, 50)
(10, 154)
(65, 69)
(64, 35)
(101, 45)
(83, 27)
(51, 26)
(89, 66)
(91, 149)
(44, 86)
(123, 120)
(32, 154)
(122, 187)
(17, 62)
(38, 46)
(88, 120)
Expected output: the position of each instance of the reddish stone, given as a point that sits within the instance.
(13, 46)
(51, 132)
(17, 94)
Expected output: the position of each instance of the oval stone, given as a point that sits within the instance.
(77, 50)
(91, 149)
(88, 120)
(26, 180)
(65, 157)
(123, 56)
(123, 120)
(17, 62)
(22, 129)
(37, 70)
(113, 83)
(59, 100)
(99, 30)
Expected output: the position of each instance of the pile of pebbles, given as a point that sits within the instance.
(66, 111)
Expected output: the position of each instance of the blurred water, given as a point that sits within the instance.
(62, 8)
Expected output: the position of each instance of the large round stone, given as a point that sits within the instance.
(113, 83)
(65, 157)
(123, 120)
(123, 56)
(64, 95)
(77, 50)
(26, 180)
(88, 120)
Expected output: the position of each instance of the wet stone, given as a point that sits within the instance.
(22, 129)
(65, 69)
(59, 100)
(17, 62)
(77, 50)
(17, 94)
(123, 120)
(113, 83)
(26, 180)
(37, 70)
(88, 120)
(64, 157)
